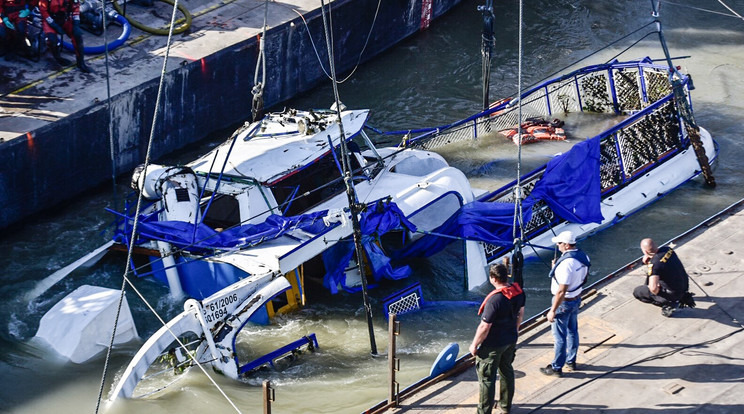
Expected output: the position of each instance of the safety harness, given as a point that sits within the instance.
(509, 291)
(572, 254)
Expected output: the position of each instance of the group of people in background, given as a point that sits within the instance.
(501, 313)
(58, 18)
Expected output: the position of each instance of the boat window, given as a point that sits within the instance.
(224, 212)
(310, 186)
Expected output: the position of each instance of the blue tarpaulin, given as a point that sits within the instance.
(376, 221)
(200, 237)
(570, 186)
(380, 218)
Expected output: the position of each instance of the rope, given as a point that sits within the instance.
(351, 195)
(518, 186)
(317, 55)
(125, 279)
(258, 87)
(632, 44)
(734, 15)
(112, 144)
(730, 9)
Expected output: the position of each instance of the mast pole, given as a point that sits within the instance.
(683, 108)
(354, 206)
(487, 42)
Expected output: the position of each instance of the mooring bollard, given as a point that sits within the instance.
(393, 361)
(268, 396)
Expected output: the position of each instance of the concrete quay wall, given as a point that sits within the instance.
(54, 161)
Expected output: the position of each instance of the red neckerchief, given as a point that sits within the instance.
(509, 291)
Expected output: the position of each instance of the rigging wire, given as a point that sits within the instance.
(258, 87)
(109, 110)
(517, 257)
(632, 45)
(351, 195)
(730, 9)
(734, 15)
(317, 54)
(125, 279)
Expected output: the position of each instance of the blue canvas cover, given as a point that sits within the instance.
(379, 219)
(200, 237)
(570, 186)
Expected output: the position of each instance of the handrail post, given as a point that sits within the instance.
(268, 396)
(393, 361)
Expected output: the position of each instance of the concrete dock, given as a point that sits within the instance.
(60, 137)
(631, 358)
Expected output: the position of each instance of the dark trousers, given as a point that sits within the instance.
(643, 293)
(488, 362)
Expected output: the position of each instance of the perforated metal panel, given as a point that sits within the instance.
(657, 84)
(627, 89)
(646, 140)
(595, 93)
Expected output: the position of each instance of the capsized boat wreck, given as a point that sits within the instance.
(242, 230)
(653, 147)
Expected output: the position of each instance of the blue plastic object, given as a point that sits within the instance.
(412, 299)
(445, 360)
(269, 358)
(97, 50)
(404, 301)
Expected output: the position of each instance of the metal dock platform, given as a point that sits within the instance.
(631, 358)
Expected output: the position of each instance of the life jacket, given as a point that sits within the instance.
(537, 129)
(509, 291)
(573, 254)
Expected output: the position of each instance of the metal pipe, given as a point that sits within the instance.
(393, 361)
(268, 396)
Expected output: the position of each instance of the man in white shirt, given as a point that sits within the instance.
(566, 279)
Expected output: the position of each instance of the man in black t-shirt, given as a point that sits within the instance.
(496, 338)
(666, 280)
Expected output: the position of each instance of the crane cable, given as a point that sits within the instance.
(517, 256)
(351, 195)
(258, 87)
(112, 144)
(125, 279)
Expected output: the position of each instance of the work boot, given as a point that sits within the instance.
(79, 56)
(668, 310)
(55, 52)
(81, 64)
(551, 372)
(687, 300)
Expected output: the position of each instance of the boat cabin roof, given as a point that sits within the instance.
(279, 145)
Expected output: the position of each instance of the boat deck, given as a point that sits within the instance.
(632, 359)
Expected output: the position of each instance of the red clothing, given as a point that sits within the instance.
(59, 10)
(509, 291)
(62, 12)
(11, 6)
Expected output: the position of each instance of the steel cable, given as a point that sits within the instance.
(125, 279)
